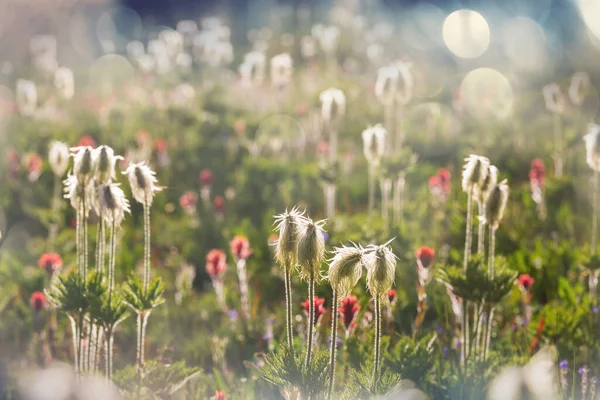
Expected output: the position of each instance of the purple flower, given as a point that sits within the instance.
(564, 364)
(439, 330)
(581, 370)
(595, 310)
(267, 336)
(445, 350)
(233, 315)
(325, 236)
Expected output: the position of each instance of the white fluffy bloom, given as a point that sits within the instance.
(534, 381)
(252, 70)
(328, 38)
(80, 193)
(496, 204)
(143, 182)
(333, 104)
(84, 163)
(387, 83)
(64, 82)
(288, 225)
(580, 81)
(374, 143)
(311, 248)
(592, 146)
(281, 70)
(380, 262)
(474, 173)
(26, 97)
(405, 92)
(555, 101)
(58, 156)
(112, 203)
(308, 46)
(104, 164)
(488, 183)
(345, 269)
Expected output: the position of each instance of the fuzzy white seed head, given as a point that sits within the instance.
(26, 97)
(80, 193)
(405, 89)
(489, 182)
(64, 82)
(592, 147)
(333, 104)
(252, 70)
(84, 163)
(386, 84)
(105, 162)
(496, 203)
(58, 156)
(345, 269)
(311, 248)
(374, 143)
(580, 82)
(281, 70)
(112, 203)
(474, 173)
(380, 262)
(555, 101)
(288, 225)
(143, 182)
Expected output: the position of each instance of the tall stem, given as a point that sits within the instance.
(111, 261)
(79, 246)
(288, 310)
(558, 156)
(399, 126)
(332, 351)
(388, 111)
(480, 231)
(398, 198)
(377, 339)
(85, 240)
(464, 349)
(80, 334)
(100, 244)
(491, 252)
(594, 244)
(332, 143)
(75, 342)
(311, 318)
(242, 276)
(371, 188)
(488, 334)
(146, 244)
(140, 351)
(53, 231)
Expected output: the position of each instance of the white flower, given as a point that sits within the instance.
(555, 101)
(308, 46)
(387, 83)
(112, 203)
(333, 104)
(58, 156)
(405, 93)
(104, 164)
(143, 182)
(495, 204)
(64, 82)
(26, 97)
(374, 143)
(311, 248)
(488, 183)
(328, 38)
(474, 173)
(580, 81)
(84, 163)
(288, 225)
(252, 70)
(380, 262)
(281, 70)
(345, 269)
(80, 193)
(592, 146)
(135, 49)
(534, 381)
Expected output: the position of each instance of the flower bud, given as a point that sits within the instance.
(345, 269)
(112, 203)
(286, 247)
(333, 104)
(496, 203)
(143, 182)
(105, 161)
(311, 248)
(488, 183)
(58, 156)
(84, 163)
(374, 143)
(381, 270)
(592, 146)
(474, 173)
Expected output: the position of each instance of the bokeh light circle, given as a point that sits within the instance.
(525, 44)
(466, 33)
(486, 93)
(111, 70)
(590, 13)
(279, 131)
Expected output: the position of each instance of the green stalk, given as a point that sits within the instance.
(593, 245)
(85, 240)
(468, 240)
(111, 261)
(492, 272)
(332, 355)
(146, 244)
(377, 339)
(311, 318)
(288, 311)
(371, 189)
(480, 231)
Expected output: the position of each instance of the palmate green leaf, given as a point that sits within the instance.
(143, 300)
(412, 359)
(361, 385)
(69, 294)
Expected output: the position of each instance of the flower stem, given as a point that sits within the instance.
(146, 244)
(464, 349)
(111, 261)
(594, 244)
(288, 310)
(311, 318)
(332, 351)
(241, 270)
(371, 189)
(492, 244)
(377, 339)
(480, 231)
(53, 231)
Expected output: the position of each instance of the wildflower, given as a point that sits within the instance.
(215, 264)
(425, 256)
(564, 371)
(161, 145)
(386, 84)
(80, 193)
(381, 270)
(239, 126)
(323, 148)
(34, 164)
(348, 311)
(86, 141)
(38, 301)
(555, 101)
(105, 161)
(392, 296)
(50, 262)
(311, 248)
(333, 104)
(345, 269)
(526, 282)
(580, 81)
(143, 182)
(252, 70)
(474, 172)
(374, 143)
(496, 203)
(58, 156)
(584, 373)
(281, 70)
(318, 308)
(64, 82)
(112, 203)
(84, 163)
(537, 173)
(188, 201)
(592, 146)
(439, 184)
(219, 204)
(219, 395)
(26, 97)
(488, 183)
(240, 247)
(206, 177)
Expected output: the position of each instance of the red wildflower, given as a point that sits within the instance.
(240, 247)
(206, 177)
(440, 182)
(143, 138)
(51, 262)
(425, 256)
(537, 173)
(319, 308)
(33, 163)
(273, 239)
(38, 301)
(86, 140)
(161, 145)
(392, 296)
(215, 263)
(323, 148)
(188, 200)
(219, 395)
(348, 311)
(219, 204)
(526, 282)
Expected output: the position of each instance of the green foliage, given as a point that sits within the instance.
(143, 299)
(412, 359)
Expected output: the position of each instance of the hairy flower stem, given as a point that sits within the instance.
(491, 271)
(111, 261)
(558, 146)
(311, 318)
(146, 244)
(388, 122)
(398, 198)
(371, 189)
(480, 231)
(100, 244)
(488, 334)
(53, 231)
(386, 192)
(399, 126)
(377, 339)
(142, 320)
(288, 310)
(85, 241)
(75, 342)
(464, 349)
(108, 354)
(332, 351)
(593, 244)
(243, 277)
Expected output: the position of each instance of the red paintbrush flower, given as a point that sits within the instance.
(86, 140)
(392, 296)
(161, 145)
(50, 262)
(219, 395)
(526, 282)
(425, 256)
(219, 204)
(206, 177)
(215, 263)
(240, 247)
(440, 183)
(537, 173)
(323, 148)
(319, 308)
(38, 301)
(348, 312)
(188, 201)
(239, 126)
(34, 164)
